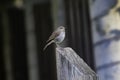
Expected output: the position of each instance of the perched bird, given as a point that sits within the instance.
(56, 37)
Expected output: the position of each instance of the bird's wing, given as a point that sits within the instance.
(53, 36)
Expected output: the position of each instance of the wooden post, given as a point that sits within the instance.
(31, 43)
(105, 18)
(7, 46)
(71, 67)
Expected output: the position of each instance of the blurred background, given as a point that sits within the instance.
(92, 30)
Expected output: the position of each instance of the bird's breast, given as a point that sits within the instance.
(60, 38)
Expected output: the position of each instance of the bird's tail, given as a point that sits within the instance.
(48, 44)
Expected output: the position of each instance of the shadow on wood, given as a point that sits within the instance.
(71, 67)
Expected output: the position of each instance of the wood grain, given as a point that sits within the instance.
(71, 67)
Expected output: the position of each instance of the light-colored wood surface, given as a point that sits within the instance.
(71, 67)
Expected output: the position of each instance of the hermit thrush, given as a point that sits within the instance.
(56, 37)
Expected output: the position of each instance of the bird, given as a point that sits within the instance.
(56, 37)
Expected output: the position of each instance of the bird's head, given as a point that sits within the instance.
(61, 28)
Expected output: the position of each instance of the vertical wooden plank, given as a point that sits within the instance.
(2, 64)
(7, 47)
(31, 43)
(105, 17)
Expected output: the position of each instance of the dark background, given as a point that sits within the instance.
(14, 36)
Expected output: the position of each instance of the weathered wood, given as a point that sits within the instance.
(105, 20)
(71, 67)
